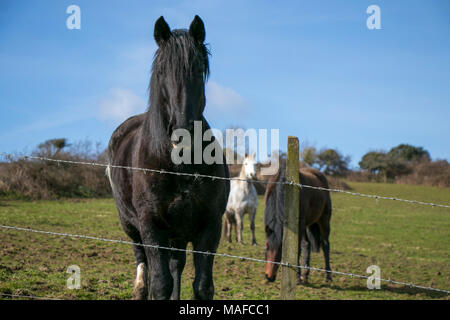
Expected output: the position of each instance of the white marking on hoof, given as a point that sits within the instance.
(140, 275)
(140, 284)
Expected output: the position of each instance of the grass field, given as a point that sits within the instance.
(410, 243)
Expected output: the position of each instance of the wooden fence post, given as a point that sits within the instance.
(291, 222)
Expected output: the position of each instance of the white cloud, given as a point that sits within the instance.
(222, 99)
(120, 104)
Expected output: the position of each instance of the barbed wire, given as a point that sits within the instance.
(352, 275)
(198, 175)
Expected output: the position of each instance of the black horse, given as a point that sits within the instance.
(162, 209)
(315, 215)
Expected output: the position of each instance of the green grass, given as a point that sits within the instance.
(410, 243)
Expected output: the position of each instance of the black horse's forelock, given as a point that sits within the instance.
(178, 54)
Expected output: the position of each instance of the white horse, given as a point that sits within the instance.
(242, 199)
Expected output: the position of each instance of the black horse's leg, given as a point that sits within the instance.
(160, 280)
(207, 241)
(306, 249)
(140, 289)
(177, 263)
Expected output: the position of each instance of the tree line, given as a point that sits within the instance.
(46, 180)
(403, 163)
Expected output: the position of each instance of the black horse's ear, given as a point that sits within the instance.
(162, 31)
(197, 30)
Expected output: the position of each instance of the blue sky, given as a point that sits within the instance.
(309, 68)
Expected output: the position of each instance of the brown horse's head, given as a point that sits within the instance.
(274, 255)
(273, 217)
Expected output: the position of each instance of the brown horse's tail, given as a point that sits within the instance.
(314, 237)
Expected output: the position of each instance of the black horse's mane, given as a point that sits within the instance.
(274, 212)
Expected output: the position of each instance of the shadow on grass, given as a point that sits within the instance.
(4, 203)
(398, 290)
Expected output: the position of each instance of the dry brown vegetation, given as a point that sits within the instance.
(46, 180)
(34, 179)
(432, 173)
(428, 173)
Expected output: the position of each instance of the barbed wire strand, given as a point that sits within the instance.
(352, 275)
(198, 175)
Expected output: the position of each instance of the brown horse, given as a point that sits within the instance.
(315, 215)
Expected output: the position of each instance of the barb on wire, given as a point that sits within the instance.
(78, 236)
(198, 175)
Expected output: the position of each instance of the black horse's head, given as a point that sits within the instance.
(180, 70)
